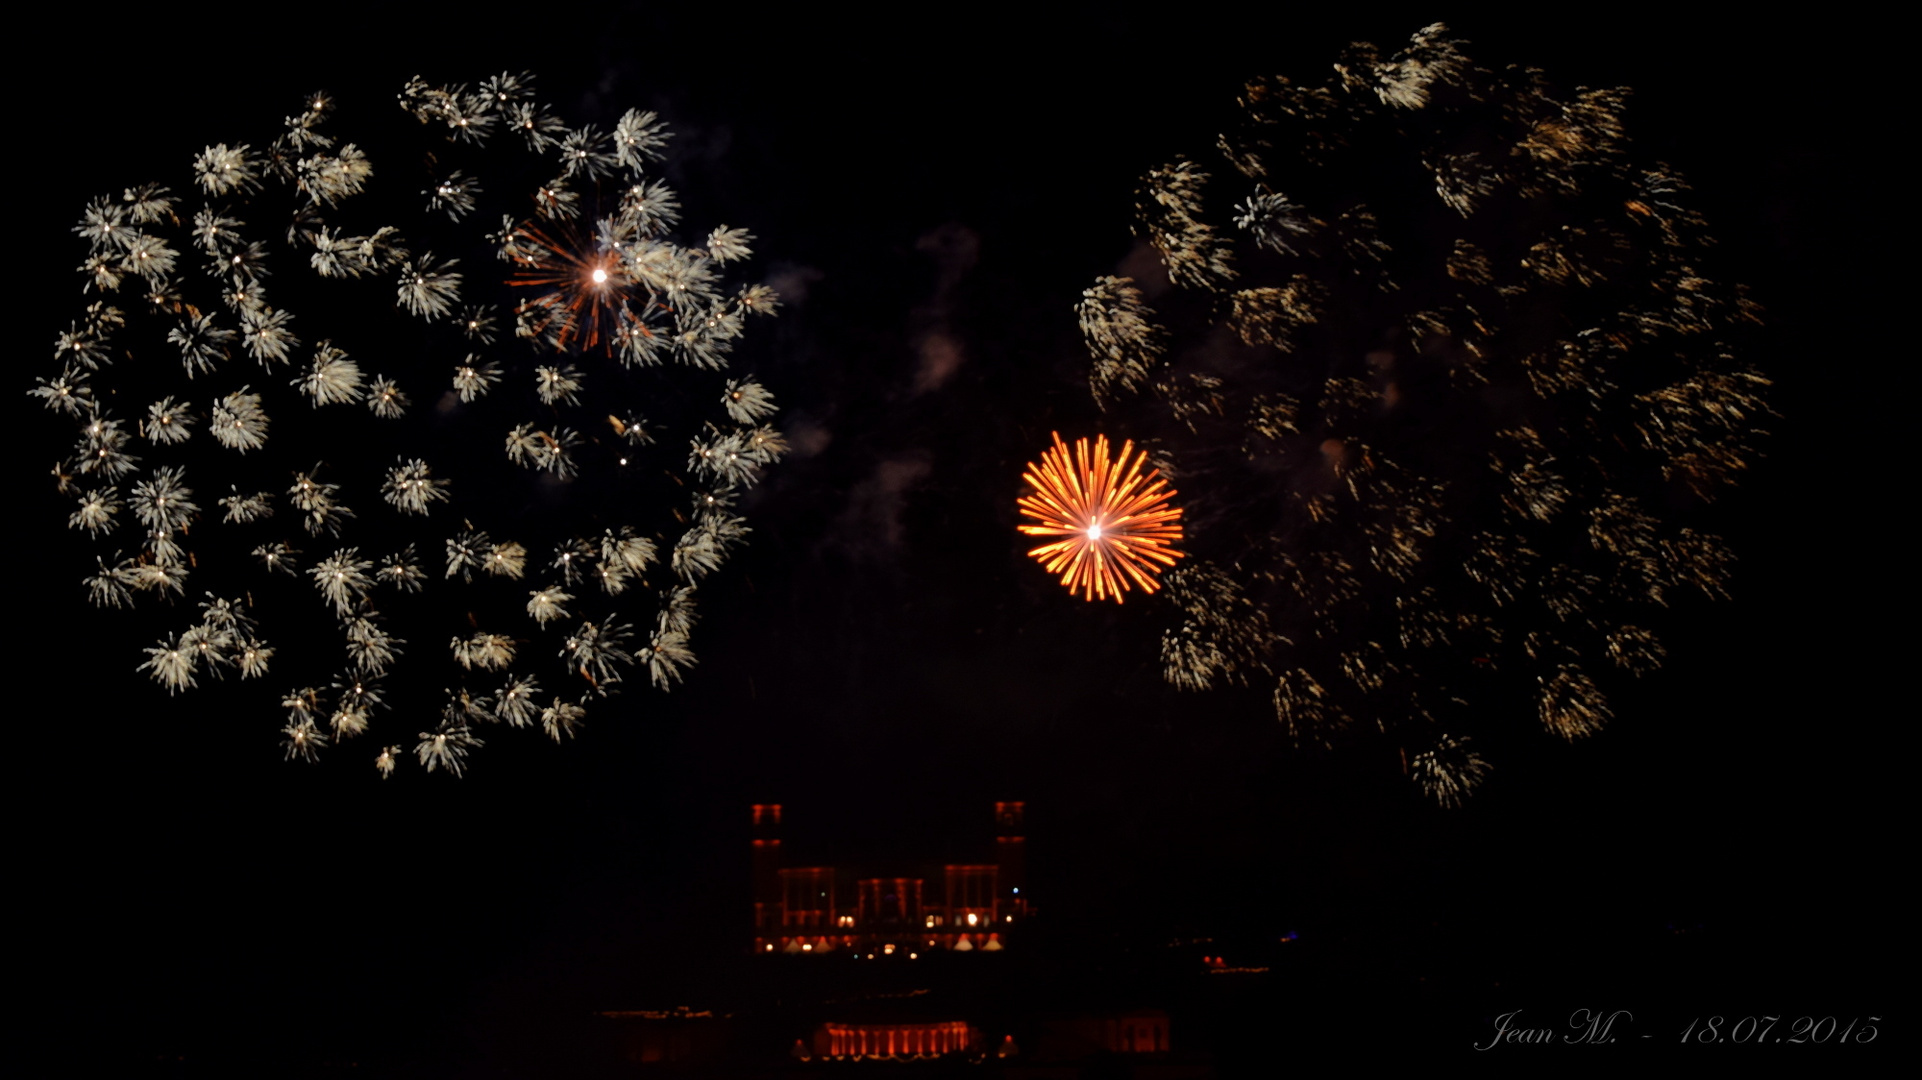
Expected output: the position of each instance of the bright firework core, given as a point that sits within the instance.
(1116, 524)
(585, 282)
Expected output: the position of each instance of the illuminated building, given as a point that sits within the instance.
(893, 1042)
(1040, 1010)
(955, 907)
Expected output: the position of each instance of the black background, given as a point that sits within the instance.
(882, 658)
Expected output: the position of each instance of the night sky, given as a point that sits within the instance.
(883, 658)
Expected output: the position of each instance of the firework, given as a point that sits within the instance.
(1451, 363)
(1115, 522)
(585, 287)
(1449, 771)
(601, 298)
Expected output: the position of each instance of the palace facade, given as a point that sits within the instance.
(954, 907)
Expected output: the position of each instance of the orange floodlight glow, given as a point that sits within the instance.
(1115, 524)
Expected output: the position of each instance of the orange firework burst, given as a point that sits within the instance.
(1115, 523)
(589, 286)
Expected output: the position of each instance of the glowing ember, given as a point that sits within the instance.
(587, 287)
(1115, 522)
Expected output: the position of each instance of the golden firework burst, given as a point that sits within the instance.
(1114, 521)
(587, 282)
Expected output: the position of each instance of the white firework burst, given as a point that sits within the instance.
(428, 288)
(412, 489)
(270, 227)
(302, 739)
(168, 422)
(238, 422)
(402, 571)
(171, 664)
(562, 719)
(488, 652)
(547, 605)
(446, 748)
(96, 511)
(331, 378)
(386, 399)
(473, 379)
(342, 579)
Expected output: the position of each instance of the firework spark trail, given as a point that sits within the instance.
(1116, 521)
(585, 281)
(1460, 351)
(601, 271)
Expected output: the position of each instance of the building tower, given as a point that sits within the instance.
(1011, 855)
(767, 870)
